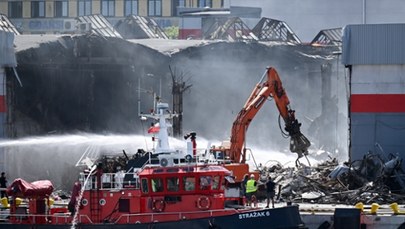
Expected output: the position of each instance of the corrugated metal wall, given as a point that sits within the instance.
(3, 106)
(376, 55)
(374, 44)
(7, 59)
(377, 109)
(7, 54)
(378, 79)
(2, 116)
(367, 129)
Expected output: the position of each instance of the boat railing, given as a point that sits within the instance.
(81, 217)
(56, 218)
(61, 218)
(35, 218)
(119, 180)
(111, 181)
(19, 218)
(177, 158)
(179, 215)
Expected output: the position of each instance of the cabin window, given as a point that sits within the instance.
(189, 183)
(205, 182)
(188, 169)
(172, 170)
(227, 181)
(157, 185)
(215, 182)
(145, 186)
(172, 184)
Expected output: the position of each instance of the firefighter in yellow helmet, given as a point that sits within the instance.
(251, 188)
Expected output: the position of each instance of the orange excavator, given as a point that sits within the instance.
(234, 154)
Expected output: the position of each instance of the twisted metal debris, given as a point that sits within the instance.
(372, 179)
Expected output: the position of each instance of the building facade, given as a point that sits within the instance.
(376, 62)
(57, 16)
(7, 61)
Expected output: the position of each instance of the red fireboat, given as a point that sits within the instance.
(161, 189)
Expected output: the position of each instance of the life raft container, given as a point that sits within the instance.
(203, 203)
(158, 205)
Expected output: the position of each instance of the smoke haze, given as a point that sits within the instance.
(307, 18)
(103, 99)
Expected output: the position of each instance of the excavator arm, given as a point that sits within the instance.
(271, 87)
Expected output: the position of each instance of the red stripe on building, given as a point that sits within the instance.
(3, 107)
(377, 103)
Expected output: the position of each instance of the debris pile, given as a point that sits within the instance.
(369, 180)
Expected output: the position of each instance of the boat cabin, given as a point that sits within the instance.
(177, 189)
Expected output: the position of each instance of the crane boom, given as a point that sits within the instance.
(271, 87)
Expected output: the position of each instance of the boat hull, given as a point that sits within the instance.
(285, 217)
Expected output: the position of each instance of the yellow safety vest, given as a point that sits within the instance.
(250, 186)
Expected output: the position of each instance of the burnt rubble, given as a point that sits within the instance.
(369, 180)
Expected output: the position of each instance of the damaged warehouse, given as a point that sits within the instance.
(90, 84)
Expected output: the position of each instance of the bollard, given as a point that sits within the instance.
(4, 202)
(395, 208)
(360, 206)
(374, 208)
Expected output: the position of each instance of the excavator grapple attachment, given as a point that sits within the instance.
(299, 144)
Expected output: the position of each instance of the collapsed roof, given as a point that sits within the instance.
(231, 29)
(97, 24)
(268, 29)
(7, 26)
(137, 27)
(328, 37)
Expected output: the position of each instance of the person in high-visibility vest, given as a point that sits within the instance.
(251, 188)
(243, 187)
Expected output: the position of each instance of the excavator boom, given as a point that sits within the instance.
(269, 86)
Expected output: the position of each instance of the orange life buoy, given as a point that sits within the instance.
(158, 205)
(203, 203)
